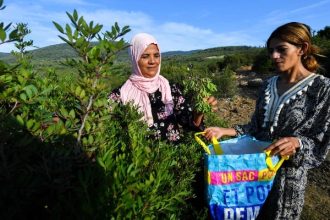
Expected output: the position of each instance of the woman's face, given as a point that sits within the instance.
(149, 61)
(285, 56)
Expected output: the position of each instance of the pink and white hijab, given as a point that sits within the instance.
(137, 87)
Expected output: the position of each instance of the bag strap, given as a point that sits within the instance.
(218, 150)
(216, 145)
(269, 161)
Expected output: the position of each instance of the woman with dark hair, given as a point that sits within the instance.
(292, 111)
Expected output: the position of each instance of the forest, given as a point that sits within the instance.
(68, 153)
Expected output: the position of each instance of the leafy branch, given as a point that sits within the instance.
(199, 89)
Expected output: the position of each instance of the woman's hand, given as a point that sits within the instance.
(218, 132)
(198, 117)
(285, 146)
(212, 101)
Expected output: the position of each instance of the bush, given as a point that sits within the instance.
(262, 63)
(226, 83)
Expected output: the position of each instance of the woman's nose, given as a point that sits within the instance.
(151, 59)
(275, 54)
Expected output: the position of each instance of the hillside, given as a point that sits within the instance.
(62, 51)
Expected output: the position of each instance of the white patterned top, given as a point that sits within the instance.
(274, 102)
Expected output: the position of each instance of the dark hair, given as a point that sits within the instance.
(297, 34)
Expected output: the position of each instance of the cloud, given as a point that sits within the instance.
(109, 17)
(181, 36)
(69, 2)
(170, 35)
(309, 7)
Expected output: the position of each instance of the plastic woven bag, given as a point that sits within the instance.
(239, 175)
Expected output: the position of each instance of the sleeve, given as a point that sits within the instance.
(183, 110)
(316, 141)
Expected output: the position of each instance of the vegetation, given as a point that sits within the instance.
(68, 153)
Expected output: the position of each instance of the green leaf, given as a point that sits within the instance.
(84, 141)
(100, 162)
(50, 130)
(75, 15)
(36, 126)
(82, 94)
(13, 35)
(90, 140)
(68, 32)
(80, 21)
(72, 114)
(19, 120)
(28, 92)
(23, 96)
(87, 126)
(2, 35)
(64, 112)
(71, 17)
(78, 91)
(117, 27)
(58, 27)
(97, 29)
(29, 123)
(91, 24)
(66, 41)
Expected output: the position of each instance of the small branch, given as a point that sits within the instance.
(14, 107)
(84, 119)
(89, 106)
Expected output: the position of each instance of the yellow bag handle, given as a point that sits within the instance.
(218, 150)
(269, 161)
(216, 145)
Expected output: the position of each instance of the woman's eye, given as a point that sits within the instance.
(278, 50)
(281, 50)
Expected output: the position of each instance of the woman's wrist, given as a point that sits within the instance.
(198, 119)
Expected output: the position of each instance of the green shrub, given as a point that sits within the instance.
(262, 63)
(226, 83)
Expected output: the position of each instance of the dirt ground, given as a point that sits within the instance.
(239, 109)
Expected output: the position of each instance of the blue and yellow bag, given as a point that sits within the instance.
(239, 175)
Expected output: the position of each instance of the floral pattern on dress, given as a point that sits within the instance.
(168, 127)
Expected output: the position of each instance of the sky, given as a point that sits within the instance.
(176, 24)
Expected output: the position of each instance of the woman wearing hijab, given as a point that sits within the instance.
(162, 104)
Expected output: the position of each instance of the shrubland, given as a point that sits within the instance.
(68, 153)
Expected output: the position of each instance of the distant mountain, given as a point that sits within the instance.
(50, 53)
(60, 52)
(178, 52)
(3, 54)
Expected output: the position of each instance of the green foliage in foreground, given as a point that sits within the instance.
(67, 153)
(130, 177)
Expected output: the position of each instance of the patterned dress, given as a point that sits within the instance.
(304, 112)
(168, 127)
